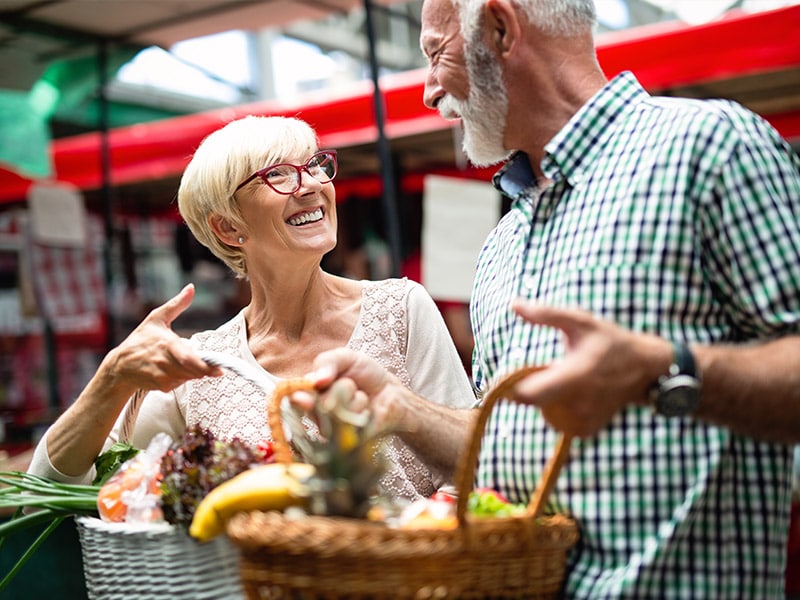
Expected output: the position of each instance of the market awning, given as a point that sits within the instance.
(752, 58)
(35, 32)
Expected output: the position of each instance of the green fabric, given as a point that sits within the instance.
(24, 116)
(54, 571)
(24, 144)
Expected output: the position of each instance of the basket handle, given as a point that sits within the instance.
(131, 412)
(286, 387)
(465, 471)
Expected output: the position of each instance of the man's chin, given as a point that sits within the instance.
(484, 158)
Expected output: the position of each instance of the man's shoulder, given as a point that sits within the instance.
(707, 114)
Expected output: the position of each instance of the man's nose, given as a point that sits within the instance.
(433, 92)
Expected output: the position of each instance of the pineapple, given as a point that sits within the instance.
(343, 446)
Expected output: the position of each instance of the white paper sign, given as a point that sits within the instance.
(458, 214)
(58, 215)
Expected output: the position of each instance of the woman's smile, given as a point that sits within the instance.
(302, 218)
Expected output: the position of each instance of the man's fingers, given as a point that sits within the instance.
(329, 365)
(342, 362)
(540, 387)
(184, 354)
(304, 400)
(360, 402)
(568, 320)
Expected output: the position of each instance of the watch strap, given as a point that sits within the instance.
(683, 361)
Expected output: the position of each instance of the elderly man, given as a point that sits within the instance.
(651, 258)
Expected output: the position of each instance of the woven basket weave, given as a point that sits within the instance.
(318, 557)
(156, 561)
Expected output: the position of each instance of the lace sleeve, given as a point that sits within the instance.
(391, 308)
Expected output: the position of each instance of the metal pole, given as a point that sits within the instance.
(105, 161)
(389, 196)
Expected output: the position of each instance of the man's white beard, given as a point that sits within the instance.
(484, 113)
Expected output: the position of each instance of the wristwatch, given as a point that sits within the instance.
(677, 393)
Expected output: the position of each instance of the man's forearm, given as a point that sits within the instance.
(753, 390)
(436, 433)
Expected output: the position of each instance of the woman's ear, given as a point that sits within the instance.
(501, 20)
(224, 230)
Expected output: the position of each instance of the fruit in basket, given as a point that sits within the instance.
(265, 487)
(132, 494)
(486, 502)
(196, 464)
(112, 498)
(436, 512)
(345, 452)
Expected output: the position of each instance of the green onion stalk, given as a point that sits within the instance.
(38, 500)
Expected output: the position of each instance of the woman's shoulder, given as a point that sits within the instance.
(224, 337)
(394, 286)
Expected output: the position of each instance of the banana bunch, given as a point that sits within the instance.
(266, 487)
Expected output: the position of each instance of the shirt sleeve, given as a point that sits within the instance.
(40, 465)
(434, 366)
(160, 411)
(752, 229)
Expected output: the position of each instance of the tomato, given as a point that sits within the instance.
(110, 502)
(443, 497)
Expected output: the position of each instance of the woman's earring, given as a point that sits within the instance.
(241, 240)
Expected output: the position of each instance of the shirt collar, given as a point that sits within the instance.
(515, 178)
(574, 148)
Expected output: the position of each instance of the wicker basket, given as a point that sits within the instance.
(333, 557)
(159, 560)
(155, 560)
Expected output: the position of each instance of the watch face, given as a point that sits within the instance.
(678, 395)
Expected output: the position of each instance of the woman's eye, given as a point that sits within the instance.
(276, 173)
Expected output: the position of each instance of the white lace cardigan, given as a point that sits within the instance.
(399, 326)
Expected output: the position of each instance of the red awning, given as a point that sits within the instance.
(667, 58)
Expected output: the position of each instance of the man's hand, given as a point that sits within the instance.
(605, 368)
(370, 385)
(436, 433)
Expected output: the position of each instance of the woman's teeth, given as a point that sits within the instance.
(307, 218)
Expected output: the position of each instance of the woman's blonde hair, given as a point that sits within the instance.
(222, 161)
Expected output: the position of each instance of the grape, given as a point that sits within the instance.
(488, 503)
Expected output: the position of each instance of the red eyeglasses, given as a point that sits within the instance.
(285, 178)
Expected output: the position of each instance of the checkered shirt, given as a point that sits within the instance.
(674, 217)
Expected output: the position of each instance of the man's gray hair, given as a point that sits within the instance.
(555, 17)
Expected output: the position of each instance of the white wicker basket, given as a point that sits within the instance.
(122, 560)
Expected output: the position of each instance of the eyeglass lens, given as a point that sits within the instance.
(285, 178)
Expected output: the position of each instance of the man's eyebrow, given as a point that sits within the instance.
(429, 43)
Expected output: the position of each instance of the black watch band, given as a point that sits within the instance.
(677, 393)
(683, 360)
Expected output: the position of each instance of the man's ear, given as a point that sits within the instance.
(223, 229)
(502, 25)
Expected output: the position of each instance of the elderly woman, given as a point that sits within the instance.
(259, 194)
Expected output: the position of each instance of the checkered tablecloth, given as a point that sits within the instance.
(69, 283)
